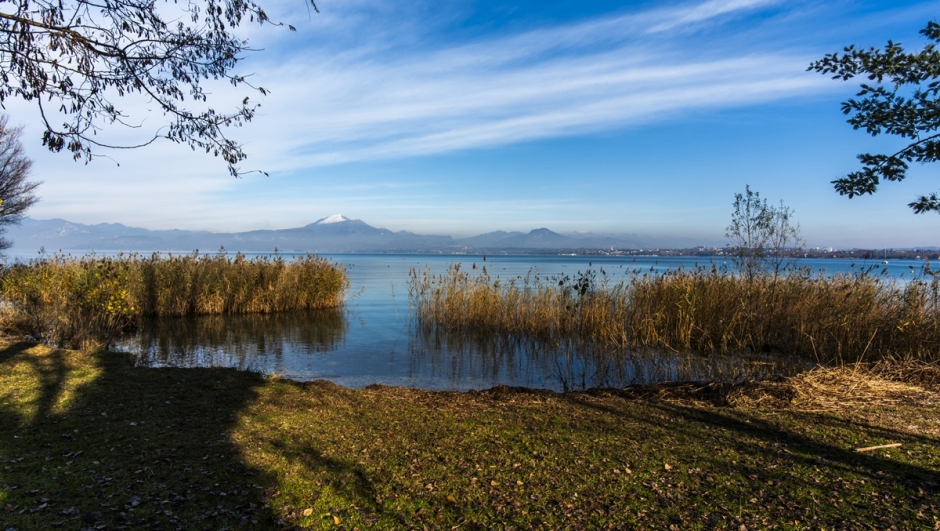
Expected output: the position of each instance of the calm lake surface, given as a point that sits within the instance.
(373, 340)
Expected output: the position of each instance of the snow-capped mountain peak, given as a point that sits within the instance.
(335, 218)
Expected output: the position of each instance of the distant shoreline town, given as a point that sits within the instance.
(927, 253)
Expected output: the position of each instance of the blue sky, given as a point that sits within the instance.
(462, 117)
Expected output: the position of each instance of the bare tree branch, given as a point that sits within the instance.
(73, 57)
(16, 191)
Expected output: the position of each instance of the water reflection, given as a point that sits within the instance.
(577, 365)
(314, 345)
(258, 342)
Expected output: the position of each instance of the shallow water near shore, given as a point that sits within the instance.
(373, 340)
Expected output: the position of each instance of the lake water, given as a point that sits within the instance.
(373, 340)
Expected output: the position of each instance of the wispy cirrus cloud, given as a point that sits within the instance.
(696, 13)
(599, 74)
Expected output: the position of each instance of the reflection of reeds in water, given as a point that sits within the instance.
(464, 358)
(251, 341)
(577, 365)
(843, 317)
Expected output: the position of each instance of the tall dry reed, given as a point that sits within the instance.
(92, 300)
(844, 317)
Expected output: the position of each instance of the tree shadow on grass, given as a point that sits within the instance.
(809, 450)
(344, 487)
(50, 370)
(14, 349)
(359, 457)
(127, 448)
(790, 466)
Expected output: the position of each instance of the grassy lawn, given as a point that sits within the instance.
(88, 441)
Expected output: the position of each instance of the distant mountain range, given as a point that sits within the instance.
(335, 234)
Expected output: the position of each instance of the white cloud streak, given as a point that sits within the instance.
(674, 18)
(607, 73)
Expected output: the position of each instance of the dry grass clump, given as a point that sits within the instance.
(925, 375)
(840, 318)
(93, 300)
(843, 388)
(846, 387)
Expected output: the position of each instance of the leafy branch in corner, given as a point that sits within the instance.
(900, 99)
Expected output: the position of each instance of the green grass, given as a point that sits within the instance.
(827, 319)
(87, 440)
(91, 301)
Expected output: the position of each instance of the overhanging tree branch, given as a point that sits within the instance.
(81, 53)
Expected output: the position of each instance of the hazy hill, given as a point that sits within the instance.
(330, 234)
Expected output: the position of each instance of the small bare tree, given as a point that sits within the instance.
(785, 241)
(763, 238)
(16, 191)
(765, 244)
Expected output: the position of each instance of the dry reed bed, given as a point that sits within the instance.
(845, 388)
(92, 300)
(839, 318)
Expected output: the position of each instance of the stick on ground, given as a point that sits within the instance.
(879, 447)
